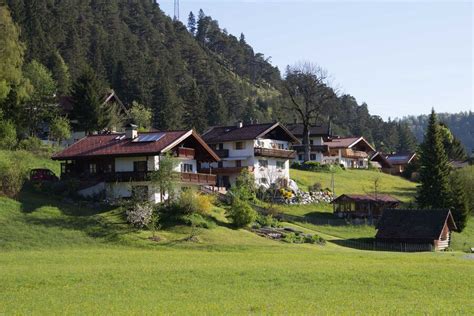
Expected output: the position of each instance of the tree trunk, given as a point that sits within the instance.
(306, 144)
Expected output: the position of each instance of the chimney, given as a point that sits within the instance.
(131, 131)
(240, 124)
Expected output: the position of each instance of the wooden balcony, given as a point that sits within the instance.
(183, 152)
(276, 153)
(312, 148)
(222, 153)
(349, 153)
(198, 178)
(226, 170)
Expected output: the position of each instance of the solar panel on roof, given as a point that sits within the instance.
(149, 137)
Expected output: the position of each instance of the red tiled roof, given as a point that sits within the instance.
(105, 145)
(367, 198)
(219, 134)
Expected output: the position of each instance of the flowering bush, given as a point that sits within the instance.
(140, 215)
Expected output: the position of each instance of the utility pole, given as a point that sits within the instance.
(176, 9)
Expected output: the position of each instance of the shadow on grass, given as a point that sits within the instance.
(374, 245)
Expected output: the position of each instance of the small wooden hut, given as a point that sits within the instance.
(417, 227)
(363, 205)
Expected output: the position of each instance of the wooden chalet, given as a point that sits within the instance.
(399, 162)
(363, 206)
(416, 226)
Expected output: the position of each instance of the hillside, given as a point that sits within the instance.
(197, 75)
(460, 124)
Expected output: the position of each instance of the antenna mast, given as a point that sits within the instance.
(176, 9)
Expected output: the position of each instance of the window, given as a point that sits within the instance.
(281, 146)
(186, 167)
(220, 146)
(139, 166)
(140, 192)
(312, 157)
(311, 142)
(280, 164)
(220, 164)
(361, 163)
(92, 168)
(263, 180)
(238, 163)
(260, 143)
(263, 163)
(300, 157)
(239, 145)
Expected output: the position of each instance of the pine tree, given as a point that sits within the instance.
(433, 191)
(459, 202)
(406, 140)
(194, 109)
(167, 107)
(191, 23)
(61, 74)
(87, 94)
(216, 111)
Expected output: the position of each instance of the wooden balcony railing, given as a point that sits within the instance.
(349, 153)
(198, 178)
(276, 153)
(183, 152)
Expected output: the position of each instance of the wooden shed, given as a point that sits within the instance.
(363, 205)
(416, 226)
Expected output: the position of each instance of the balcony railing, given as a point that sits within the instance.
(312, 148)
(183, 152)
(222, 153)
(349, 153)
(226, 170)
(276, 153)
(198, 178)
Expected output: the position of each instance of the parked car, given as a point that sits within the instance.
(42, 175)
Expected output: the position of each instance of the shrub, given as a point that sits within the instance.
(314, 239)
(191, 202)
(315, 187)
(7, 135)
(241, 213)
(140, 215)
(32, 144)
(293, 238)
(13, 177)
(244, 188)
(268, 221)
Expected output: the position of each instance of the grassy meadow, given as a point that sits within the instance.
(63, 258)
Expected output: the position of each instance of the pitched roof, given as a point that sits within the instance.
(347, 142)
(219, 134)
(401, 159)
(367, 198)
(380, 158)
(413, 224)
(317, 130)
(118, 145)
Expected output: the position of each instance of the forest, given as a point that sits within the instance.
(188, 75)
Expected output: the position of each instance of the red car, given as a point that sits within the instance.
(42, 175)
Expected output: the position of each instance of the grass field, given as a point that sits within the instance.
(357, 182)
(60, 258)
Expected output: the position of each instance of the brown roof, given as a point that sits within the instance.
(347, 142)
(118, 145)
(219, 134)
(317, 130)
(409, 225)
(380, 158)
(366, 198)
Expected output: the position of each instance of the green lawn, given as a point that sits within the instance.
(59, 258)
(29, 160)
(357, 182)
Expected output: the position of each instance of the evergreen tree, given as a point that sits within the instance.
(60, 72)
(87, 94)
(216, 112)
(406, 142)
(433, 192)
(194, 109)
(168, 111)
(191, 23)
(459, 202)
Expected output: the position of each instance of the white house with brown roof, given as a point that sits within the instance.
(263, 149)
(351, 152)
(118, 165)
(318, 134)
